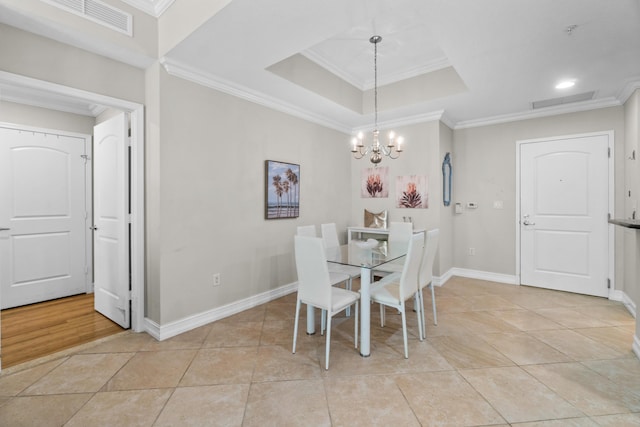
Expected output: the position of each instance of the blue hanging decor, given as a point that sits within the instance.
(446, 179)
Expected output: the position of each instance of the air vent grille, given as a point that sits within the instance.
(75, 5)
(99, 12)
(586, 96)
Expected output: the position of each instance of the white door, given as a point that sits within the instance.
(43, 216)
(564, 209)
(111, 219)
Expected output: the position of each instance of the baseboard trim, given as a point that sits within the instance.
(441, 280)
(484, 275)
(162, 332)
(622, 297)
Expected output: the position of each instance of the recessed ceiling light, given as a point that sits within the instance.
(565, 84)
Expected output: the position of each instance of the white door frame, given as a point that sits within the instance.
(611, 231)
(136, 112)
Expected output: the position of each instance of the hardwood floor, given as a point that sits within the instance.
(37, 330)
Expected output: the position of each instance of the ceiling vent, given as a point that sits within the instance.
(586, 96)
(99, 12)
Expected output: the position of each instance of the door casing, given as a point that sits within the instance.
(611, 201)
(136, 112)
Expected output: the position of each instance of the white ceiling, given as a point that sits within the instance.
(508, 54)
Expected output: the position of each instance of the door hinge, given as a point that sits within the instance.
(609, 152)
(608, 283)
(85, 157)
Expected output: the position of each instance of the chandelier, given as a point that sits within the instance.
(376, 149)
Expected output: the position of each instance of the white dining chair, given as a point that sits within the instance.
(330, 239)
(399, 232)
(336, 275)
(425, 277)
(306, 230)
(315, 289)
(393, 290)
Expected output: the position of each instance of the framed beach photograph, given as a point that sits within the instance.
(282, 190)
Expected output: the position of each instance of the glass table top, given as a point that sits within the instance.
(357, 254)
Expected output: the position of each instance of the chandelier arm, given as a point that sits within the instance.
(392, 157)
(360, 153)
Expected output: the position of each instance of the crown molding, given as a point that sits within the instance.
(177, 69)
(154, 8)
(407, 121)
(180, 70)
(543, 112)
(367, 84)
(628, 90)
(410, 73)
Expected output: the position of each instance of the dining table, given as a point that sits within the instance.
(367, 255)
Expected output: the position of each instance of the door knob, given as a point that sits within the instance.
(94, 228)
(526, 222)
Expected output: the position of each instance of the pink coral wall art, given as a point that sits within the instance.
(411, 192)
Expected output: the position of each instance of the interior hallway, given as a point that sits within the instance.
(500, 355)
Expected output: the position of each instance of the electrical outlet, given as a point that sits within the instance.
(216, 279)
(472, 251)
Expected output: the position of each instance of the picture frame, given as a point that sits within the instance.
(374, 183)
(411, 192)
(282, 190)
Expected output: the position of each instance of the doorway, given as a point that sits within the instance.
(136, 218)
(565, 196)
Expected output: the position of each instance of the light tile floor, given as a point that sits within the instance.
(500, 355)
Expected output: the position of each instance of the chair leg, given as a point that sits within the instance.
(433, 303)
(348, 287)
(404, 331)
(328, 343)
(356, 327)
(295, 327)
(323, 321)
(420, 313)
(382, 315)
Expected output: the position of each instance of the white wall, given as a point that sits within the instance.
(40, 58)
(209, 160)
(28, 115)
(631, 258)
(77, 29)
(445, 247)
(182, 18)
(422, 156)
(485, 161)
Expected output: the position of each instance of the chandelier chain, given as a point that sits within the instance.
(375, 82)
